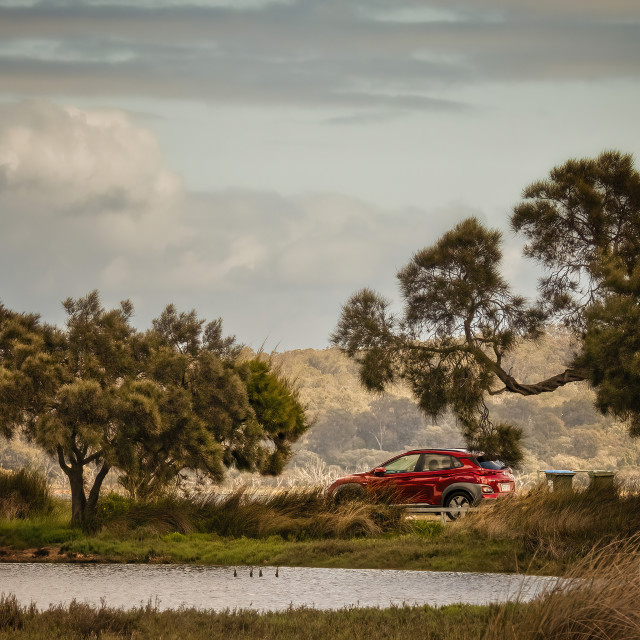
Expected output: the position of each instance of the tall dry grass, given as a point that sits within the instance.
(558, 524)
(23, 494)
(291, 513)
(599, 599)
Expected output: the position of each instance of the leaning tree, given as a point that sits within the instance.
(101, 395)
(460, 318)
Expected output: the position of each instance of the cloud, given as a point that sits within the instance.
(80, 160)
(336, 53)
(271, 265)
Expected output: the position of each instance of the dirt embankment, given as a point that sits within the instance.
(44, 554)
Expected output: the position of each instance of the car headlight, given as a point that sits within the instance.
(485, 488)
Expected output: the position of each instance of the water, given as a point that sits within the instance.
(173, 586)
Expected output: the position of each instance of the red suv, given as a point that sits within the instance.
(436, 477)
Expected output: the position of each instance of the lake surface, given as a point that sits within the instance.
(173, 586)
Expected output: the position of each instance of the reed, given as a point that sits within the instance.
(596, 600)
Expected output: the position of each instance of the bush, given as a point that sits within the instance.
(24, 494)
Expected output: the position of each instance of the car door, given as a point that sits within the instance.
(397, 477)
(448, 474)
(420, 487)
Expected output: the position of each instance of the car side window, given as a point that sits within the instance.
(403, 464)
(437, 462)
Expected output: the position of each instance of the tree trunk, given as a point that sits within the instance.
(83, 510)
(91, 508)
(78, 498)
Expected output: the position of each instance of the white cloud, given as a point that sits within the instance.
(82, 160)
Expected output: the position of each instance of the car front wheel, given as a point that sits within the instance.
(458, 499)
(351, 491)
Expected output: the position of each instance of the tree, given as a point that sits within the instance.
(583, 225)
(148, 404)
(461, 319)
(71, 391)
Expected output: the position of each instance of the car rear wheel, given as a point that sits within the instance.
(458, 499)
(351, 491)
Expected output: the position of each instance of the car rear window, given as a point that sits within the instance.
(486, 463)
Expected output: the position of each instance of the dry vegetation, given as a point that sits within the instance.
(560, 525)
(298, 514)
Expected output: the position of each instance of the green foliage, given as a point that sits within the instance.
(583, 225)
(611, 351)
(23, 494)
(276, 403)
(582, 216)
(460, 321)
(150, 404)
(112, 506)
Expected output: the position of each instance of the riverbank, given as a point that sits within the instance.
(427, 548)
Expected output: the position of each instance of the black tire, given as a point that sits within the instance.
(458, 499)
(351, 491)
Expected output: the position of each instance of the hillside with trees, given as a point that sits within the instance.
(355, 429)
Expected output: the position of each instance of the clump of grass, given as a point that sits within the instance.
(560, 523)
(598, 599)
(294, 514)
(24, 494)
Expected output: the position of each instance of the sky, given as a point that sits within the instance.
(261, 160)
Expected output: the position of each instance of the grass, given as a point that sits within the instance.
(23, 493)
(535, 532)
(423, 545)
(302, 514)
(560, 526)
(82, 621)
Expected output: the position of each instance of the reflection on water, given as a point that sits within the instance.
(172, 586)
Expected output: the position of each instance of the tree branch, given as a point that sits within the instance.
(93, 457)
(61, 461)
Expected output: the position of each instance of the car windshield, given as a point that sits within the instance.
(485, 463)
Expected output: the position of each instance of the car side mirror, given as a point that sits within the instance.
(379, 471)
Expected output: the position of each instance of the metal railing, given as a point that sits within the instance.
(442, 511)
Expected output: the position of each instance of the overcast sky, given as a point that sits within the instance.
(261, 161)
